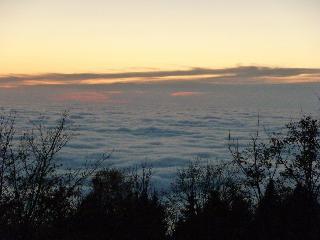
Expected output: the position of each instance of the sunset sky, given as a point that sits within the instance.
(96, 36)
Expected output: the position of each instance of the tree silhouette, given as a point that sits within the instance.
(220, 209)
(268, 218)
(300, 154)
(121, 206)
(34, 195)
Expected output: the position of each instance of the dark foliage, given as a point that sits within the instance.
(120, 206)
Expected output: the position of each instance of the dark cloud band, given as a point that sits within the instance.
(247, 72)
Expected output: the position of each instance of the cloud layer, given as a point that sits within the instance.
(246, 74)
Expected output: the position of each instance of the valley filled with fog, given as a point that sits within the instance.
(163, 124)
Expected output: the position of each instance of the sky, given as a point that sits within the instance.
(95, 36)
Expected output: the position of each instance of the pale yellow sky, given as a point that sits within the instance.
(39, 36)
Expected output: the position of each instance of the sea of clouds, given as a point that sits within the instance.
(163, 125)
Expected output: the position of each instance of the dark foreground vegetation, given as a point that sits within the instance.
(269, 189)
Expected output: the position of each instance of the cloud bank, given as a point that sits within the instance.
(246, 74)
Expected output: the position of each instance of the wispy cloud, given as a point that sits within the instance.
(246, 74)
(85, 96)
(185, 94)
